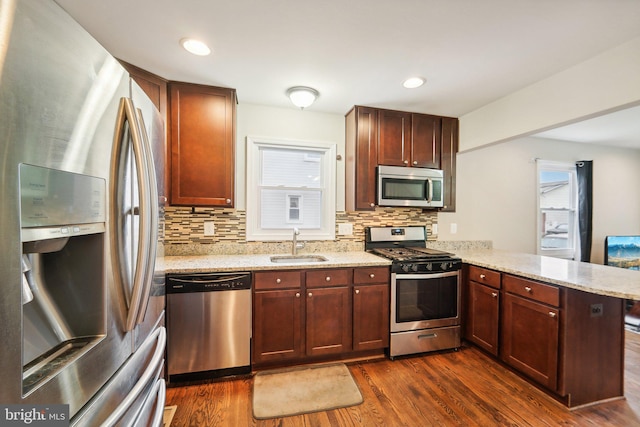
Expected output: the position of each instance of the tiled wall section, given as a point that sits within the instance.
(184, 231)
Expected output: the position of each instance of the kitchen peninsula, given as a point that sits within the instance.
(557, 322)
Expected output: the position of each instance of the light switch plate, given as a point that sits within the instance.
(345, 229)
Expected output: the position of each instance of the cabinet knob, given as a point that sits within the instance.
(528, 289)
(552, 314)
(415, 162)
(297, 294)
(278, 280)
(372, 275)
(328, 278)
(310, 294)
(482, 276)
(372, 205)
(228, 201)
(494, 294)
(406, 162)
(357, 291)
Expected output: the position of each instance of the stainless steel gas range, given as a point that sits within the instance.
(425, 290)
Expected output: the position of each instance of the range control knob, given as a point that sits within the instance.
(444, 266)
(405, 267)
(414, 267)
(429, 266)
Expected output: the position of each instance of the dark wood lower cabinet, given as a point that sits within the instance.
(570, 342)
(328, 321)
(530, 334)
(320, 314)
(484, 316)
(277, 331)
(370, 317)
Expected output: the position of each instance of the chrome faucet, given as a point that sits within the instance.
(295, 246)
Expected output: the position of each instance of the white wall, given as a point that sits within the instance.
(607, 82)
(286, 124)
(496, 192)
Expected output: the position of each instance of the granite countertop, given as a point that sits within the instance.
(205, 263)
(592, 278)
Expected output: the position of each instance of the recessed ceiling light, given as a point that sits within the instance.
(195, 46)
(413, 82)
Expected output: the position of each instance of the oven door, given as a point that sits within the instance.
(425, 300)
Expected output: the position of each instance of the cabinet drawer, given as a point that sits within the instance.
(366, 275)
(277, 279)
(547, 294)
(332, 277)
(484, 276)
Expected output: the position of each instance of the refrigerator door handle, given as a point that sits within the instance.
(161, 400)
(149, 262)
(160, 337)
(127, 114)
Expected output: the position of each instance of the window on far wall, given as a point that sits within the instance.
(557, 213)
(290, 184)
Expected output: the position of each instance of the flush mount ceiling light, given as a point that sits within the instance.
(195, 46)
(302, 96)
(413, 82)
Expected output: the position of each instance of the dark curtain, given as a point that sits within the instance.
(584, 171)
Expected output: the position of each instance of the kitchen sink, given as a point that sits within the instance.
(298, 258)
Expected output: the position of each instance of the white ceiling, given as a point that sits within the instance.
(360, 51)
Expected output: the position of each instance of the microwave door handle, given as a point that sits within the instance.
(430, 190)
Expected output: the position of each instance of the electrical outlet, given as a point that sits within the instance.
(453, 228)
(434, 229)
(596, 310)
(345, 229)
(209, 228)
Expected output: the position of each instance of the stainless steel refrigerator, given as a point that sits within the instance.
(81, 225)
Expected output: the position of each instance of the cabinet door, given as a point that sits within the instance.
(530, 335)
(483, 316)
(425, 141)
(202, 145)
(328, 321)
(362, 158)
(277, 326)
(370, 316)
(394, 138)
(449, 144)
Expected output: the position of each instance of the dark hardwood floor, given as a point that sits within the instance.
(463, 388)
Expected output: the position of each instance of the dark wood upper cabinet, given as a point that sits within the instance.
(361, 158)
(394, 138)
(449, 144)
(425, 141)
(202, 129)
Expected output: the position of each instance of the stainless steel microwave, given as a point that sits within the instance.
(408, 186)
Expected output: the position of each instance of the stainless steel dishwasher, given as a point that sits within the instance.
(208, 325)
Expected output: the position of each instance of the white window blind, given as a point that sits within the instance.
(290, 184)
(557, 214)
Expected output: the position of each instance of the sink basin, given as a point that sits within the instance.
(298, 258)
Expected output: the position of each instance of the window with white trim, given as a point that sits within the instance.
(290, 184)
(557, 213)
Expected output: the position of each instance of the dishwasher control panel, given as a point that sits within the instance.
(208, 282)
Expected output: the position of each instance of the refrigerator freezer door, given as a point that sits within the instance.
(130, 392)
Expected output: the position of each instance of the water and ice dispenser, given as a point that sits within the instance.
(63, 222)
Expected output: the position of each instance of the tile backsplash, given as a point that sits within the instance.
(184, 231)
